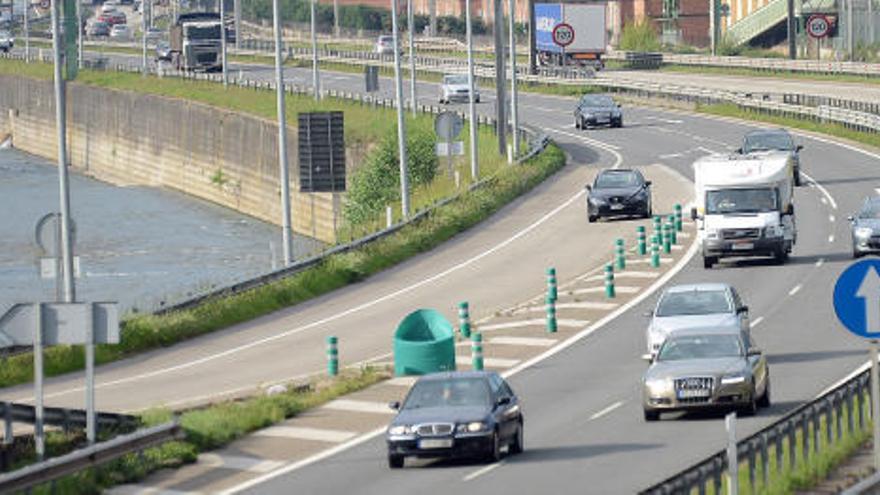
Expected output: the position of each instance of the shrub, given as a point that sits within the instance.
(639, 37)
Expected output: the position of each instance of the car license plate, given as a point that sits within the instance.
(616, 207)
(435, 443)
(693, 393)
(743, 246)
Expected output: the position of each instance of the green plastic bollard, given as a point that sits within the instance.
(678, 220)
(642, 244)
(619, 255)
(673, 234)
(464, 320)
(667, 239)
(551, 284)
(477, 351)
(332, 356)
(609, 281)
(551, 314)
(655, 255)
(657, 224)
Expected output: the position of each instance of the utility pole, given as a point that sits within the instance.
(410, 19)
(472, 104)
(316, 78)
(144, 67)
(27, 31)
(533, 63)
(713, 26)
(500, 83)
(849, 28)
(336, 18)
(791, 27)
(514, 110)
(236, 12)
(401, 125)
(282, 139)
(79, 35)
(222, 41)
(432, 17)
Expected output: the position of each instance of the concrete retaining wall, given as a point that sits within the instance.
(130, 138)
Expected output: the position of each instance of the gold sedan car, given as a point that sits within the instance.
(706, 368)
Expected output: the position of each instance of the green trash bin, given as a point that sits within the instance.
(424, 342)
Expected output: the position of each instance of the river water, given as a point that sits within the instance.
(140, 246)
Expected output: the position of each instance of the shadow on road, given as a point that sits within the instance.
(545, 454)
(806, 357)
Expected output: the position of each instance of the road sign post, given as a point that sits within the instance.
(563, 35)
(857, 305)
(448, 126)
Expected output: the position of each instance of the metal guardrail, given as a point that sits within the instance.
(94, 455)
(848, 400)
(868, 486)
(66, 419)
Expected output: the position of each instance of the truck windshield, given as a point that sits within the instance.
(741, 201)
(203, 32)
(767, 141)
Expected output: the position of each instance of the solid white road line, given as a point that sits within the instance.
(620, 289)
(820, 262)
(523, 341)
(757, 321)
(358, 406)
(822, 189)
(831, 218)
(511, 324)
(304, 433)
(607, 410)
(794, 290)
(586, 305)
(239, 463)
(482, 471)
(489, 362)
(623, 274)
(402, 381)
(831, 238)
(146, 490)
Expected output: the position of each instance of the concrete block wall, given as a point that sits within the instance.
(130, 138)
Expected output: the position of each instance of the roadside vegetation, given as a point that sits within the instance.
(639, 36)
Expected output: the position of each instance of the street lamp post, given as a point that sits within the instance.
(514, 110)
(472, 105)
(410, 18)
(401, 125)
(282, 140)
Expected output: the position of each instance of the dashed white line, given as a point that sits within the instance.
(482, 471)
(831, 238)
(824, 201)
(794, 290)
(822, 189)
(820, 262)
(757, 321)
(877, 190)
(831, 218)
(607, 410)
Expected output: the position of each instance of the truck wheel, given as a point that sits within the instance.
(708, 261)
(781, 256)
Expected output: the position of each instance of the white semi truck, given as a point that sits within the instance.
(195, 42)
(744, 205)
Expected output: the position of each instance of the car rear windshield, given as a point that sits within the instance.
(445, 393)
(694, 302)
(455, 80)
(609, 180)
(700, 347)
(597, 101)
(767, 141)
(741, 201)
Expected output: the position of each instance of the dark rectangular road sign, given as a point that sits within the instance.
(321, 152)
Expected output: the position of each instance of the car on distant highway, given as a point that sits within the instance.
(762, 140)
(456, 414)
(618, 192)
(113, 18)
(865, 227)
(163, 51)
(120, 31)
(384, 45)
(108, 7)
(596, 110)
(704, 305)
(98, 29)
(455, 88)
(155, 34)
(7, 42)
(705, 369)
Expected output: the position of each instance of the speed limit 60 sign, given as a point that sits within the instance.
(818, 26)
(563, 34)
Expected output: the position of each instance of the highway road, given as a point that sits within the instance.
(584, 429)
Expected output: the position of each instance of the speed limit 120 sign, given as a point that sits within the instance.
(563, 34)
(818, 26)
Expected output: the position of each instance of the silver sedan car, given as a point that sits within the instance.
(705, 368)
(866, 228)
(706, 305)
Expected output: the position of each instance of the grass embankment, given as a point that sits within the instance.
(742, 71)
(146, 332)
(206, 429)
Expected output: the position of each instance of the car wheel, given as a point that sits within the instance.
(797, 178)
(651, 415)
(764, 400)
(592, 218)
(516, 446)
(577, 123)
(618, 123)
(781, 256)
(649, 212)
(708, 261)
(395, 461)
(751, 408)
(856, 254)
(477, 100)
(495, 448)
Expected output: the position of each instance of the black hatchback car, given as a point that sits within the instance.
(470, 414)
(617, 192)
(596, 110)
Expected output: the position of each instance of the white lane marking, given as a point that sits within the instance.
(584, 305)
(757, 321)
(324, 321)
(618, 158)
(820, 262)
(877, 190)
(506, 374)
(304, 433)
(239, 463)
(624, 274)
(146, 490)
(402, 381)
(831, 238)
(523, 341)
(831, 218)
(599, 144)
(511, 324)
(607, 410)
(490, 362)
(859, 370)
(670, 155)
(482, 471)
(358, 406)
(822, 189)
(621, 289)
(794, 290)
(823, 200)
(710, 151)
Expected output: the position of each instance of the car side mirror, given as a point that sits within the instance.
(851, 218)
(754, 351)
(648, 357)
(694, 215)
(619, 105)
(648, 314)
(588, 187)
(738, 151)
(743, 309)
(648, 183)
(503, 401)
(394, 405)
(799, 147)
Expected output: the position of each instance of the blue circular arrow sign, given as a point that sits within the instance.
(857, 298)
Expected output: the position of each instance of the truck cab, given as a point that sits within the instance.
(196, 42)
(744, 206)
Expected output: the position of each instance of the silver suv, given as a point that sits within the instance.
(707, 305)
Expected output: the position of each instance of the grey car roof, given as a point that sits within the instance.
(446, 375)
(776, 130)
(720, 330)
(706, 286)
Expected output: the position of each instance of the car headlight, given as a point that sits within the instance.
(733, 379)
(711, 233)
(658, 385)
(773, 231)
(400, 430)
(596, 200)
(589, 115)
(864, 232)
(472, 427)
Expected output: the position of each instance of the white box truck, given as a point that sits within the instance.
(744, 205)
(588, 22)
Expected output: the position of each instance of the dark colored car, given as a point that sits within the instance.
(596, 110)
(456, 414)
(774, 140)
(617, 192)
(99, 28)
(866, 228)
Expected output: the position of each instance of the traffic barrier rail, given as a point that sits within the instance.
(847, 402)
(66, 419)
(91, 456)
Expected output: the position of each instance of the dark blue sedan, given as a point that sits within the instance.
(471, 414)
